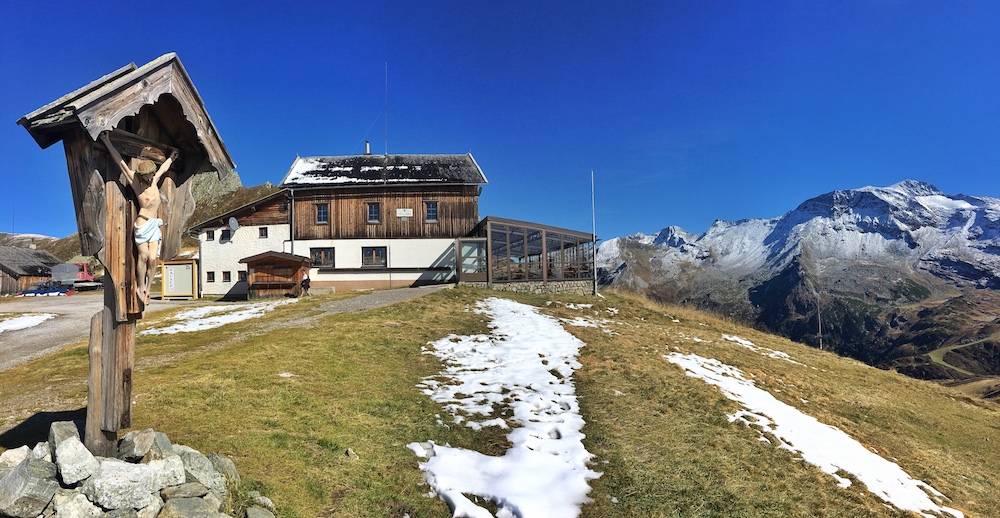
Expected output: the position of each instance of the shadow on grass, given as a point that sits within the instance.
(35, 429)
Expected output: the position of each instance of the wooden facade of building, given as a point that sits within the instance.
(455, 212)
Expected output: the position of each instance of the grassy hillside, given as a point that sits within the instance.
(663, 440)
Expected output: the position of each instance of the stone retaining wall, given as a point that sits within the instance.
(584, 287)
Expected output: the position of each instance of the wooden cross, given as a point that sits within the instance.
(151, 114)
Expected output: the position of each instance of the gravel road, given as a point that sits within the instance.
(72, 323)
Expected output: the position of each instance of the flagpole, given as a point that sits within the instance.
(593, 226)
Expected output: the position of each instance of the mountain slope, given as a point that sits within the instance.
(893, 273)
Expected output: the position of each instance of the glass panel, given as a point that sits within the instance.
(500, 259)
(553, 253)
(533, 254)
(322, 257)
(373, 256)
(517, 255)
(570, 256)
(473, 257)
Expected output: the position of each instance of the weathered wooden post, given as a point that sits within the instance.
(146, 113)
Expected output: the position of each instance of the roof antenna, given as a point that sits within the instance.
(386, 118)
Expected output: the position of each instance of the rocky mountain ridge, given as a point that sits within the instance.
(845, 269)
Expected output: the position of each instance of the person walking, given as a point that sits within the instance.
(305, 285)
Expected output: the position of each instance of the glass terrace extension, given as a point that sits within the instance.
(522, 251)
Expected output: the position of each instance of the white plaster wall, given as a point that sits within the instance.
(402, 253)
(219, 256)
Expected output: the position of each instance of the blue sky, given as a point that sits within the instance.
(686, 111)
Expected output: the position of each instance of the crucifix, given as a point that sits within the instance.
(144, 181)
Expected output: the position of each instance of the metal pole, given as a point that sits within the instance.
(593, 226)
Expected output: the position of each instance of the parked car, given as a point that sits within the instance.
(47, 289)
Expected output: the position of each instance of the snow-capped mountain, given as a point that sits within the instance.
(879, 247)
(910, 223)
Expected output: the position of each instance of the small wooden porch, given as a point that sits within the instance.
(275, 274)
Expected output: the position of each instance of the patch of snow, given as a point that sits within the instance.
(210, 317)
(771, 353)
(23, 321)
(525, 365)
(821, 445)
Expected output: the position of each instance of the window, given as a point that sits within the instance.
(209, 235)
(262, 232)
(226, 277)
(241, 275)
(374, 212)
(209, 276)
(321, 257)
(226, 235)
(374, 256)
(431, 211)
(322, 213)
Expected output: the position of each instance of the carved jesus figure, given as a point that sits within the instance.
(144, 182)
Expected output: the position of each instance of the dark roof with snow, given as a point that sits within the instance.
(18, 262)
(371, 170)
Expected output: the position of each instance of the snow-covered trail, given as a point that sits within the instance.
(525, 365)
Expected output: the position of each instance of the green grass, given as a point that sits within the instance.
(662, 440)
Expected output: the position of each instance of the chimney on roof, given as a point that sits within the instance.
(368, 148)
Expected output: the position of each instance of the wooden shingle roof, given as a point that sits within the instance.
(371, 170)
(18, 262)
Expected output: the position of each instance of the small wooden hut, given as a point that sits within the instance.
(145, 113)
(20, 267)
(275, 274)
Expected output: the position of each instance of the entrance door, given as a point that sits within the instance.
(472, 260)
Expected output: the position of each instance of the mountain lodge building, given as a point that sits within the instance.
(386, 221)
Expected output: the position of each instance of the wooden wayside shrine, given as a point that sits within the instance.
(146, 113)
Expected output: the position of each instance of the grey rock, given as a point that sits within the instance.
(42, 451)
(4, 470)
(136, 444)
(70, 504)
(151, 510)
(199, 469)
(160, 449)
(120, 485)
(217, 504)
(11, 458)
(259, 512)
(167, 472)
(74, 461)
(186, 490)
(121, 513)
(28, 489)
(188, 508)
(60, 431)
(226, 467)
